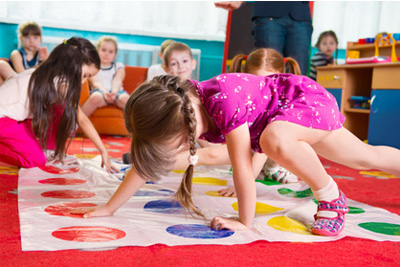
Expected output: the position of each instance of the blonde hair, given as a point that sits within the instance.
(29, 27)
(175, 46)
(107, 39)
(264, 58)
(165, 44)
(157, 112)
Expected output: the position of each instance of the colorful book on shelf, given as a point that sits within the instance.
(364, 60)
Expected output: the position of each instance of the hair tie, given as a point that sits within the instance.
(285, 60)
(245, 57)
(65, 41)
(193, 159)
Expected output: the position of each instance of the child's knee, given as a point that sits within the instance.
(97, 100)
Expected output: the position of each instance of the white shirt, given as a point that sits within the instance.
(155, 70)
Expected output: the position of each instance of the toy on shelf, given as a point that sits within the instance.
(381, 40)
(360, 102)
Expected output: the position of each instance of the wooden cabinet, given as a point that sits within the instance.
(380, 124)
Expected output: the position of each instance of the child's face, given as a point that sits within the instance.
(181, 64)
(107, 53)
(328, 46)
(88, 71)
(31, 42)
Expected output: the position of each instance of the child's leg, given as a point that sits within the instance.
(95, 101)
(5, 71)
(18, 144)
(122, 98)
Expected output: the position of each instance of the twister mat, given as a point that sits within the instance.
(283, 212)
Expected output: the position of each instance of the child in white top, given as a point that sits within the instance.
(159, 69)
(30, 54)
(107, 84)
(39, 107)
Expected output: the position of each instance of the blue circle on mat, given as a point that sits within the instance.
(152, 193)
(198, 231)
(164, 206)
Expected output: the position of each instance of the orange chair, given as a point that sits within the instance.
(110, 120)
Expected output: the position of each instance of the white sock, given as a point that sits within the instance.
(328, 193)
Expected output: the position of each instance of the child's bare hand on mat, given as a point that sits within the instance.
(227, 192)
(232, 223)
(105, 162)
(89, 212)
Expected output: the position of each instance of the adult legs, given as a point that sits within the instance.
(270, 33)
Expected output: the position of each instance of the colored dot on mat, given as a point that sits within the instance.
(378, 174)
(382, 228)
(88, 234)
(182, 171)
(56, 170)
(68, 194)
(150, 193)
(214, 194)
(286, 224)
(63, 209)
(198, 231)
(296, 194)
(209, 181)
(164, 206)
(261, 208)
(62, 181)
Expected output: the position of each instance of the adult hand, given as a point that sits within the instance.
(227, 192)
(234, 224)
(229, 5)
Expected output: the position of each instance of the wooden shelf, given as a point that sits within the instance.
(357, 110)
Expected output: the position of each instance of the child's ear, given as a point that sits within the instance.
(194, 63)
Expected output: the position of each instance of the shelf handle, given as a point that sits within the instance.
(373, 111)
(335, 77)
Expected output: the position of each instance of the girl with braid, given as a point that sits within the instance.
(39, 108)
(290, 118)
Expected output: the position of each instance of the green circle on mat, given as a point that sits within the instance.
(352, 210)
(268, 181)
(382, 228)
(297, 194)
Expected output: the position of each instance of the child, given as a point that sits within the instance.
(30, 54)
(290, 118)
(159, 69)
(5, 71)
(179, 60)
(107, 83)
(40, 107)
(327, 44)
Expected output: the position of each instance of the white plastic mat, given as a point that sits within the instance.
(283, 212)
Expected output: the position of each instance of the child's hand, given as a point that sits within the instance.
(105, 162)
(89, 212)
(234, 224)
(227, 192)
(43, 53)
(109, 97)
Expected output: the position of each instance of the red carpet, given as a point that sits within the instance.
(378, 192)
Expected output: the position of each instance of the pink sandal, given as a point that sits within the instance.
(330, 226)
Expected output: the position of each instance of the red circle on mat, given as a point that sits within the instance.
(56, 170)
(62, 181)
(88, 233)
(68, 194)
(63, 209)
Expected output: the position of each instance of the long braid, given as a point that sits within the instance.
(184, 193)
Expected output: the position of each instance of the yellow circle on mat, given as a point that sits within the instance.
(209, 181)
(261, 208)
(378, 174)
(214, 194)
(286, 224)
(181, 171)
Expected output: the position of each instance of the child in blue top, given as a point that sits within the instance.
(30, 54)
(107, 84)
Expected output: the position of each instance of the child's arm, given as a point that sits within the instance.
(117, 80)
(129, 186)
(87, 127)
(239, 148)
(16, 60)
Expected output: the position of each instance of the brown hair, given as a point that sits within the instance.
(326, 34)
(264, 58)
(29, 27)
(108, 39)
(156, 113)
(175, 46)
(165, 44)
(63, 68)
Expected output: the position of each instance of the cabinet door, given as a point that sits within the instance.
(384, 119)
(337, 93)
